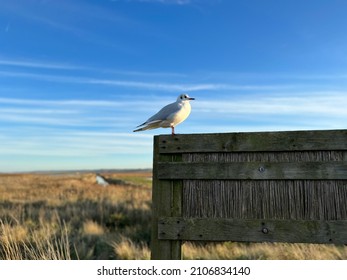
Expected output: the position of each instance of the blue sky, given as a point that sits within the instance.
(77, 76)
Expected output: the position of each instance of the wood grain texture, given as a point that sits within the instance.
(166, 201)
(267, 199)
(254, 170)
(259, 186)
(302, 156)
(176, 228)
(321, 140)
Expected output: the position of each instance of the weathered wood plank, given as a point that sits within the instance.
(254, 170)
(167, 201)
(259, 186)
(292, 231)
(265, 199)
(160, 249)
(254, 141)
(176, 210)
(297, 156)
(162, 193)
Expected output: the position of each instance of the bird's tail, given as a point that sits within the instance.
(139, 129)
(144, 128)
(147, 126)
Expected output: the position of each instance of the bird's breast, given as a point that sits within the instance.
(182, 114)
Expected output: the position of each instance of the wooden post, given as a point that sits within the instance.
(166, 202)
(288, 186)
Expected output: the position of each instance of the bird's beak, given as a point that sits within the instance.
(191, 98)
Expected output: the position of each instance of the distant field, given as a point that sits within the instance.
(74, 216)
(69, 216)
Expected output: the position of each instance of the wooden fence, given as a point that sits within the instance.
(256, 187)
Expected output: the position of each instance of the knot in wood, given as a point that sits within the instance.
(261, 169)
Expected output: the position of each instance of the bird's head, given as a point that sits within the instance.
(184, 97)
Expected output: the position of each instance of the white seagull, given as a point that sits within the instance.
(170, 115)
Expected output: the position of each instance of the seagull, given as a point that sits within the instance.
(170, 115)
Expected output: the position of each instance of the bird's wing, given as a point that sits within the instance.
(164, 113)
(147, 126)
(150, 123)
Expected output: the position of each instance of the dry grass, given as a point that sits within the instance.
(263, 251)
(46, 242)
(92, 228)
(69, 216)
(128, 250)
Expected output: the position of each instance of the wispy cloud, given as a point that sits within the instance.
(157, 85)
(150, 85)
(81, 74)
(80, 19)
(115, 82)
(40, 64)
(40, 12)
(39, 111)
(314, 110)
(65, 102)
(317, 103)
(67, 143)
(37, 64)
(171, 2)
(39, 120)
(317, 107)
(74, 121)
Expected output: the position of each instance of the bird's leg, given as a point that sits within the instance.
(172, 130)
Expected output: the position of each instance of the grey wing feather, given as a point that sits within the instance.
(146, 126)
(164, 113)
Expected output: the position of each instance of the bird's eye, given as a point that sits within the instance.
(185, 96)
(181, 97)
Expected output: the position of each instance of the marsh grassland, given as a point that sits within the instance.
(69, 216)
